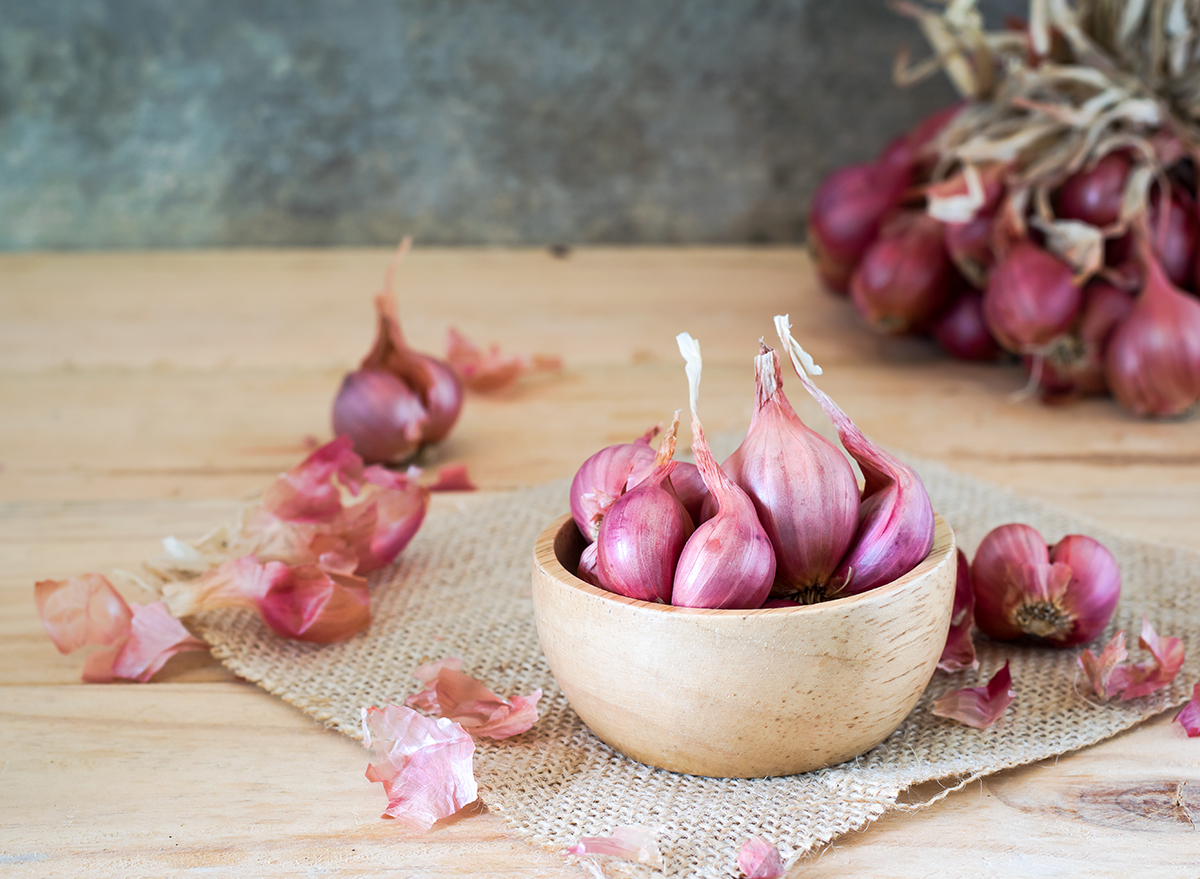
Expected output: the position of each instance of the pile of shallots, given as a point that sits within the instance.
(782, 521)
(1049, 217)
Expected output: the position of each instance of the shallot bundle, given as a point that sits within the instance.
(781, 522)
(1050, 218)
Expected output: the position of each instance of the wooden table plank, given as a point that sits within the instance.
(150, 394)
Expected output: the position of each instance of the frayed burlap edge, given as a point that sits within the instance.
(462, 588)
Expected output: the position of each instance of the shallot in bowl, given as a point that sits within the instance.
(741, 693)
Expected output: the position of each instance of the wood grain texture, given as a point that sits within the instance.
(729, 693)
(149, 394)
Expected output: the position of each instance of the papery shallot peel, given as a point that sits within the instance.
(1111, 677)
(424, 764)
(895, 520)
(978, 707)
(959, 652)
(802, 486)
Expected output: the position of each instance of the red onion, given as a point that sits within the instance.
(728, 561)
(382, 415)
(643, 533)
(1061, 595)
(962, 332)
(846, 212)
(1077, 368)
(435, 383)
(904, 277)
(1094, 195)
(1175, 240)
(1153, 360)
(803, 488)
(384, 422)
(969, 243)
(895, 519)
(1031, 299)
(604, 477)
(589, 561)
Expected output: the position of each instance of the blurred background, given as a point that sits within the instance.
(194, 123)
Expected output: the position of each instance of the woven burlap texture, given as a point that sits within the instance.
(462, 588)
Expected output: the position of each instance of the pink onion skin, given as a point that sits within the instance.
(904, 277)
(1061, 596)
(845, 215)
(603, 478)
(1031, 299)
(803, 489)
(962, 332)
(382, 416)
(959, 652)
(1153, 360)
(1094, 194)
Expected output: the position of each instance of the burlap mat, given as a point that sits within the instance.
(462, 588)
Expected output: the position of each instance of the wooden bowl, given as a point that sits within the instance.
(741, 693)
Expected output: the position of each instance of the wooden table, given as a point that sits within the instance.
(146, 395)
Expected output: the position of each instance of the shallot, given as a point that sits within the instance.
(846, 214)
(905, 277)
(895, 519)
(644, 532)
(978, 707)
(398, 399)
(962, 331)
(1153, 358)
(1060, 595)
(1031, 299)
(803, 487)
(728, 561)
(604, 477)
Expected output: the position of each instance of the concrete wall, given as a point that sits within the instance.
(166, 123)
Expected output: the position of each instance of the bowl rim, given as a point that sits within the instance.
(546, 559)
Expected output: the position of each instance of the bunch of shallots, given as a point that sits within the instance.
(782, 521)
(1050, 217)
